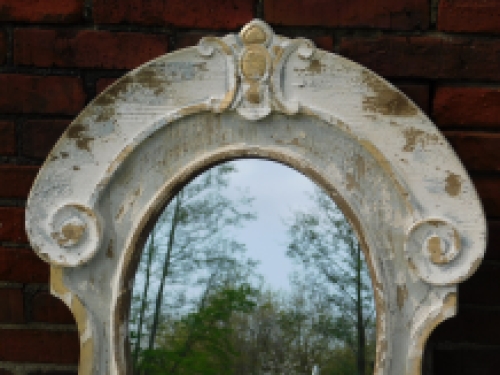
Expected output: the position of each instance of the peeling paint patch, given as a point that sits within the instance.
(109, 96)
(453, 184)
(402, 295)
(70, 234)
(351, 182)
(416, 137)
(315, 66)
(385, 99)
(77, 133)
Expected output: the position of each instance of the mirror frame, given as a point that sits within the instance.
(256, 94)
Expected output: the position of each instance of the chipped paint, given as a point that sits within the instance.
(402, 295)
(315, 66)
(260, 95)
(436, 250)
(71, 234)
(453, 184)
(416, 137)
(77, 133)
(385, 99)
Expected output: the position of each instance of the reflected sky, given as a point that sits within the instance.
(278, 191)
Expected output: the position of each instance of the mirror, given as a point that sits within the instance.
(252, 269)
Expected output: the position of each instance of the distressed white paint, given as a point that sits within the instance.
(257, 94)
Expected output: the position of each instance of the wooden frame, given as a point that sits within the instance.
(256, 94)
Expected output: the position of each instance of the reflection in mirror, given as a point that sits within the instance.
(252, 269)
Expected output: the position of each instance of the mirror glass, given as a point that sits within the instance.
(252, 269)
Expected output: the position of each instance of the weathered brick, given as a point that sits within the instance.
(86, 48)
(324, 42)
(419, 94)
(7, 138)
(467, 106)
(385, 14)
(478, 151)
(3, 47)
(426, 56)
(46, 11)
(207, 14)
(103, 83)
(39, 136)
(12, 225)
(16, 180)
(188, 39)
(22, 266)
(18, 345)
(469, 16)
(12, 305)
(49, 309)
(36, 94)
(488, 188)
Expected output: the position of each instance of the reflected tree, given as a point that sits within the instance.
(189, 241)
(324, 242)
(199, 307)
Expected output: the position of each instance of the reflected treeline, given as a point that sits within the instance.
(200, 307)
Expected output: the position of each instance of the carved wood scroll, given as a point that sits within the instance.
(256, 94)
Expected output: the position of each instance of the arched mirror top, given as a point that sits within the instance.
(257, 94)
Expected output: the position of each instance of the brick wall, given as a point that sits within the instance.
(55, 55)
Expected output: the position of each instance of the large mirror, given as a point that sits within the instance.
(252, 269)
(254, 94)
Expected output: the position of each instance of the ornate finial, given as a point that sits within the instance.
(256, 58)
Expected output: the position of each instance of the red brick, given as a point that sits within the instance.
(36, 94)
(426, 56)
(206, 14)
(46, 11)
(3, 47)
(7, 138)
(86, 49)
(469, 106)
(12, 306)
(324, 42)
(12, 225)
(22, 266)
(39, 136)
(103, 83)
(478, 151)
(49, 309)
(470, 326)
(476, 290)
(188, 39)
(16, 180)
(418, 93)
(23, 345)
(386, 14)
(469, 16)
(488, 188)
